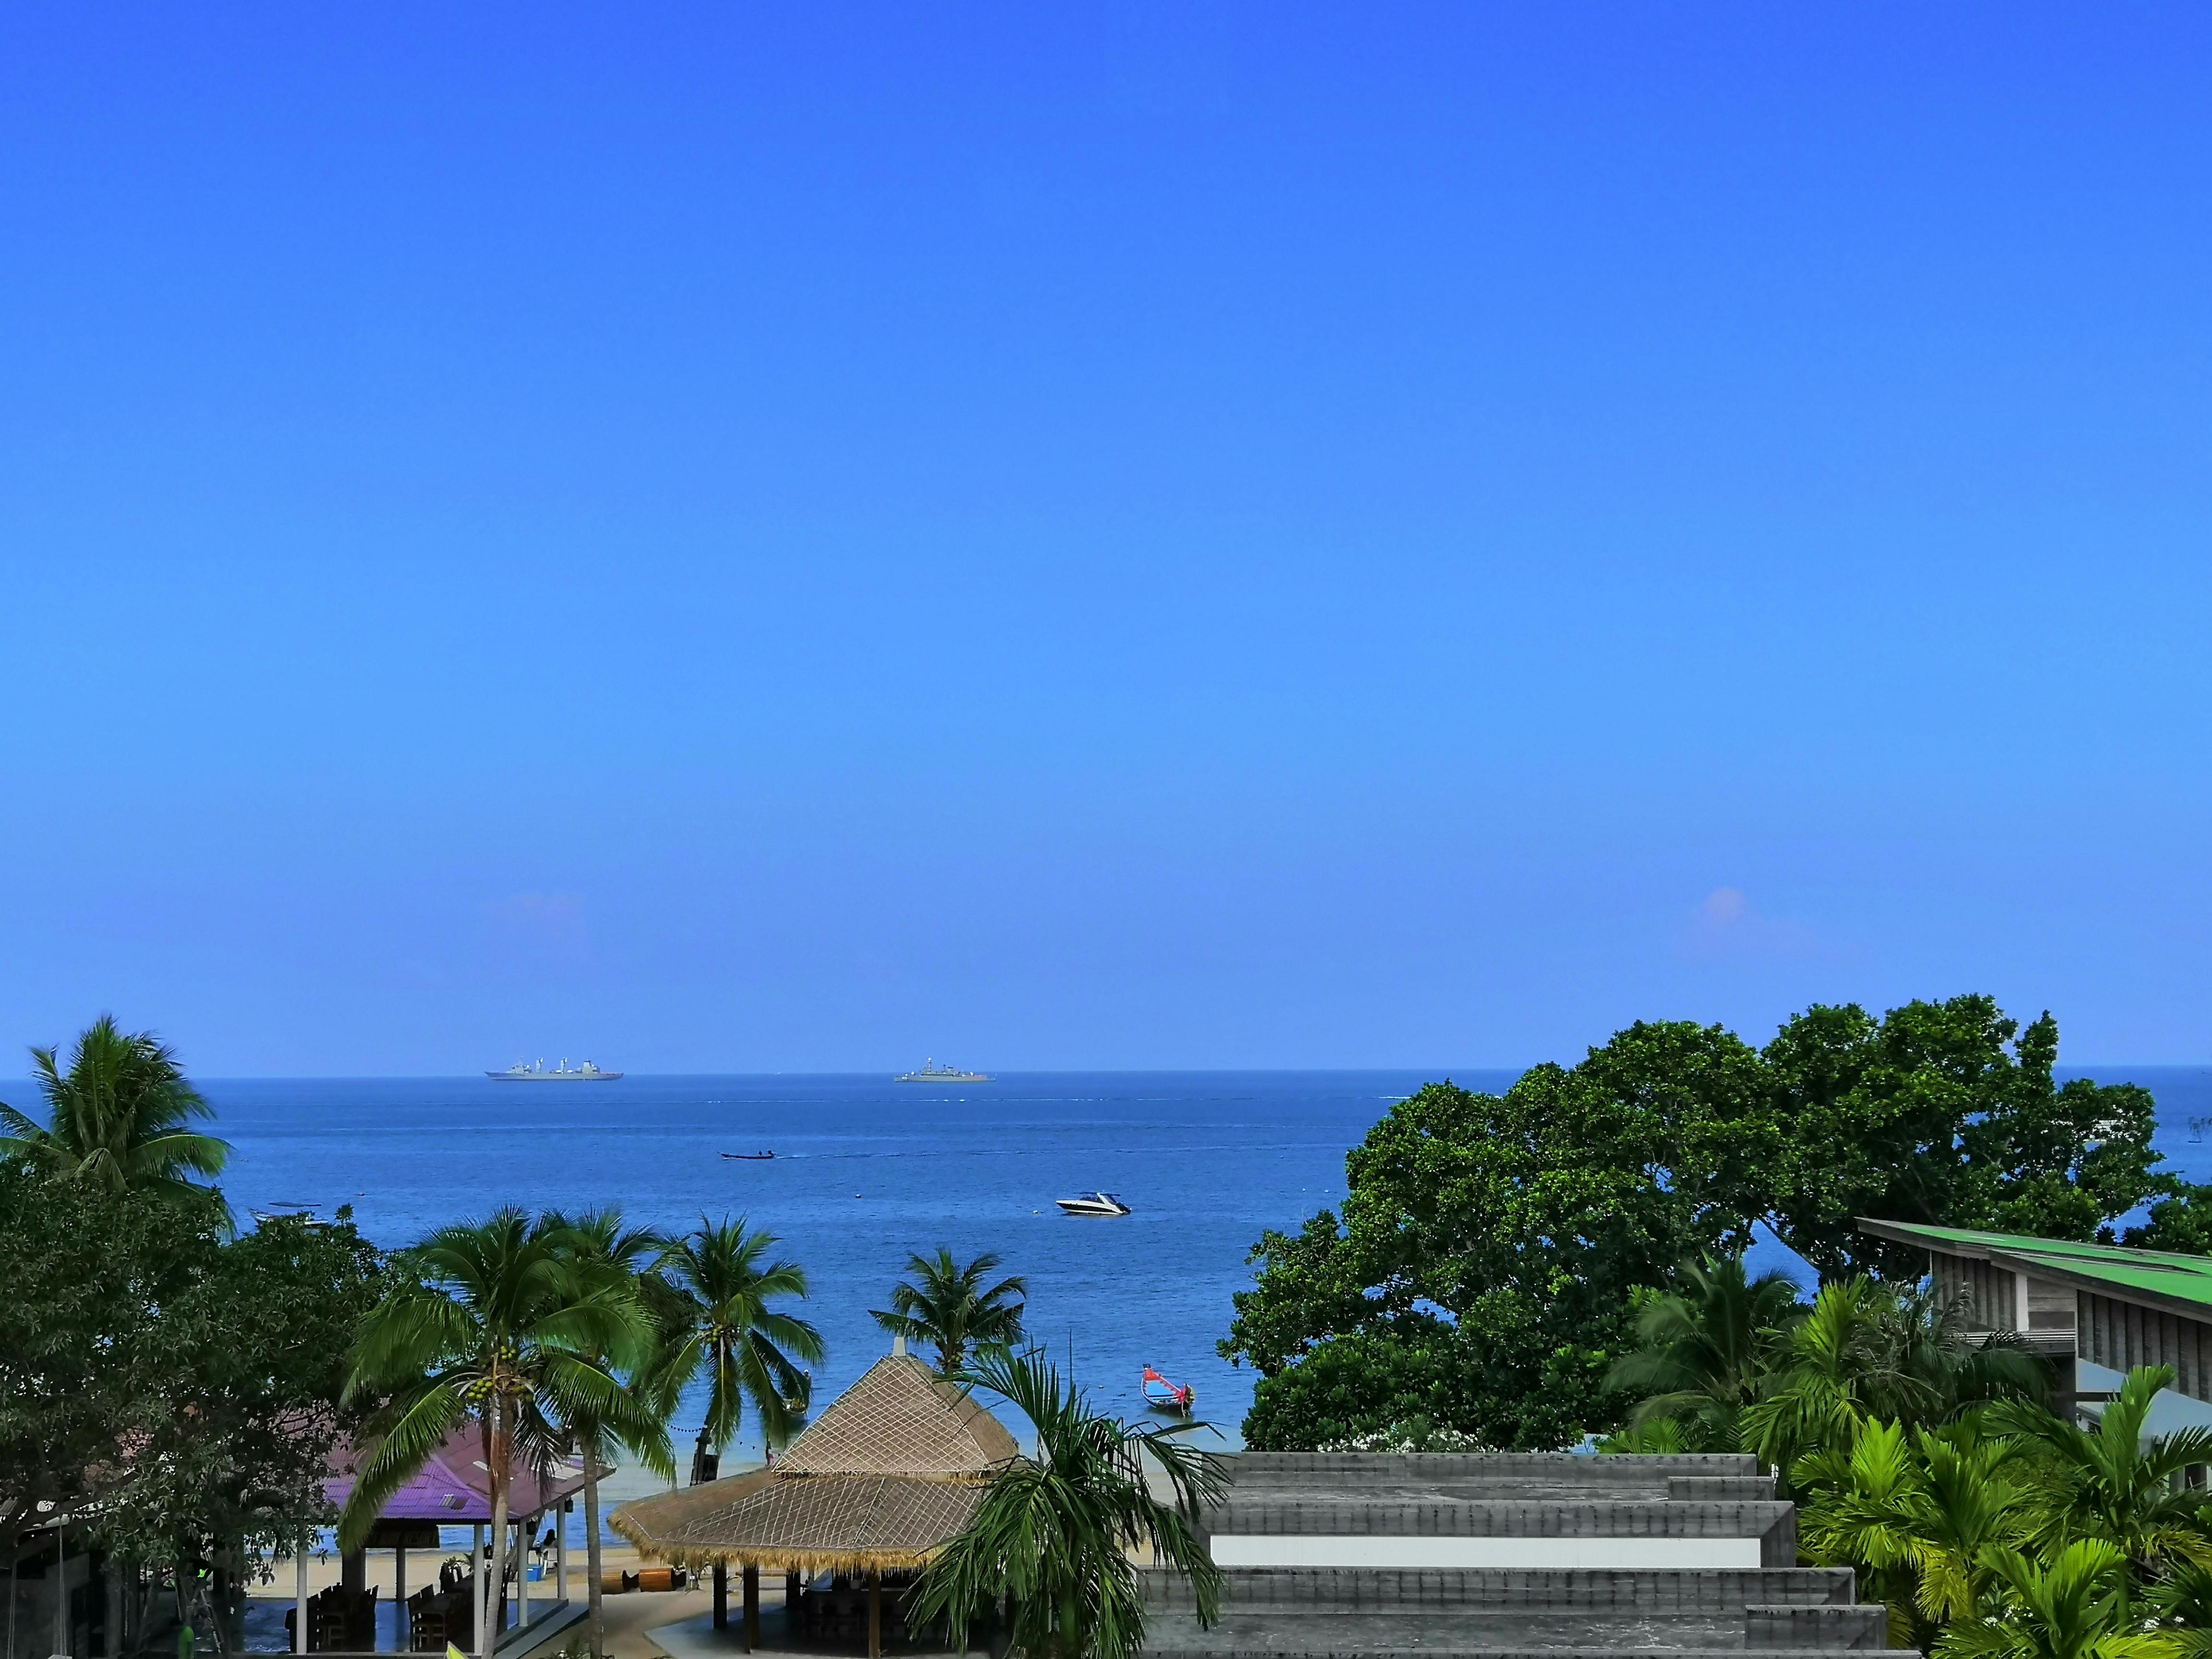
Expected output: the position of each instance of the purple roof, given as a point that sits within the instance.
(453, 1488)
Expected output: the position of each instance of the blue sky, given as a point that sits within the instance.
(724, 538)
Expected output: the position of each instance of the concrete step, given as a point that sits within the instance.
(1487, 1517)
(1522, 1632)
(1349, 1466)
(1719, 1488)
(1723, 1592)
(1534, 1476)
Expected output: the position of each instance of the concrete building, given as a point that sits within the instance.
(2105, 1308)
(1551, 1554)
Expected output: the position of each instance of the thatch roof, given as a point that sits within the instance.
(901, 1419)
(882, 1480)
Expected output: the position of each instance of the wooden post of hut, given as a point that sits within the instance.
(875, 1615)
(721, 1596)
(752, 1607)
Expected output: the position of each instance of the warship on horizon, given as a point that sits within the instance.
(519, 1072)
(931, 1072)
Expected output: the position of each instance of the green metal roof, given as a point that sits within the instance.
(2133, 1275)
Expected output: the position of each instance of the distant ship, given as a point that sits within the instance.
(535, 1073)
(931, 1072)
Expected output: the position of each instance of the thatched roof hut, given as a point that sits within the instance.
(890, 1472)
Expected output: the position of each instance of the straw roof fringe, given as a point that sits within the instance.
(853, 1524)
(893, 1470)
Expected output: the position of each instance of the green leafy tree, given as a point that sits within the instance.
(1704, 1347)
(1057, 1532)
(121, 1115)
(604, 1253)
(2074, 1607)
(1947, 1113)
(87, 1274)
(492, 1323)
(240, 1408)
(949, 1306)
(2180, 1224)
(168, 1387)
(1521, 1223)
(720, 1321)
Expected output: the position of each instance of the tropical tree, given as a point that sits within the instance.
(602, 1251)
(948, 1305)
(121, 1115)
(2075, 1606)
(2112, 1483)
(491, 1322)
(720, 1321)
(1871, 1351)
(1704, 1347)
(1056, 1533)
(1921, 1517)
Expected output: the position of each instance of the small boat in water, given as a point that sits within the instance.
(1094, 1204)
(303, 1214)
(749, 1158)
(1163, 1395)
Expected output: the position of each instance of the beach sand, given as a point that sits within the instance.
(628, 1616)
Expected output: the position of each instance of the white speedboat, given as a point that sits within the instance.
(1094, 1204)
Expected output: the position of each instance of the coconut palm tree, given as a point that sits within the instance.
(2074, 1608)
(602, 1251)
(1055, 1533)
(1703, 1349)
(948, 1305)
(491, 1323)
(720, 1321)
(120, 1115)
(2111, 1483)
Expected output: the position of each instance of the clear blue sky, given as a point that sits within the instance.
(747, 537)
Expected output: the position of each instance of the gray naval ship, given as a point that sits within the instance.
(535, 1073)
(931, 1072)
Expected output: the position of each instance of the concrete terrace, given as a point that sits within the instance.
(1329, 1554)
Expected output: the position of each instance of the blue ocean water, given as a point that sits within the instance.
(867, 1169)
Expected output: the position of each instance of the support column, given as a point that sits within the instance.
(875, 1615)
(399, 1596)
(560, 1551)
(721, 1596)
(61, 1590)
(482, 1580)
(300, 1599)
(752, 1607)
(523, 1531)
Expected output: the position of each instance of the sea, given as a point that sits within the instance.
(868, 1171)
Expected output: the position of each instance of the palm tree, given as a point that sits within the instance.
(1704, 1347)
(2109, 1483)
(491, 1324)
(120, 1115)
(1056, 1533)
(600, 1250)
(2075, 1607)
(1873, 1352)
(1921, 1518)
(720, 1322)
(945, 1303)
